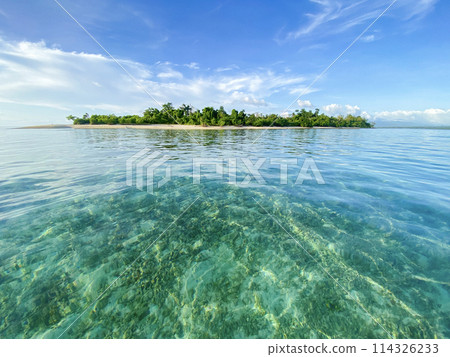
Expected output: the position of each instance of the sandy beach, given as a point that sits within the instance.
(170, 127)
(176, 127)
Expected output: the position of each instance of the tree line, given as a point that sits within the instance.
(209, 116)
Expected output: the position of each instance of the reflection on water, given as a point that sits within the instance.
(69, 226)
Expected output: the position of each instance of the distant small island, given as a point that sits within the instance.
(208, 116)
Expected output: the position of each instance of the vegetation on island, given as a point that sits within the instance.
(208, 116)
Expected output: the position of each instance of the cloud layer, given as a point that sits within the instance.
(432, 116)
(42, 84)
(36, 75)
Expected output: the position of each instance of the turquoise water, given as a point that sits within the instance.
(240, 262)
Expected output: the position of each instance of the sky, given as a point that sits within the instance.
(263, 56)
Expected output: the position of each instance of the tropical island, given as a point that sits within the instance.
(208, 116)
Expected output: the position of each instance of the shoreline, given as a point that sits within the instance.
(173, 127)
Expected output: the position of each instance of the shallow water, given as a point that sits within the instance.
(365, 255)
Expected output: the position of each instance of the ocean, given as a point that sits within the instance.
(298, 233)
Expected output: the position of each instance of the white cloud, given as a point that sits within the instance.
(366, 115)
(56, 83)
(425, 117)
(302, 90)
(334, 17)
(368, 38)
(170, 74)
(240, 90)
(329, 12)
(339, 109)
(420, 8)
(332, 109)
(229, 68)
(304, 103)
(192, 65)
(33, 103)
(37, 76)
(430, 116)
(352, 109)
(40, 84)
(240, 97)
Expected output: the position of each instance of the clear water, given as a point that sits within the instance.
(69, 226)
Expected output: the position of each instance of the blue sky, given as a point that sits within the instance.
(252, 55)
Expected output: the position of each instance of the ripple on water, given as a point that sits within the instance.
(226, 269)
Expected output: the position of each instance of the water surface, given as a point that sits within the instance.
(241, 262)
